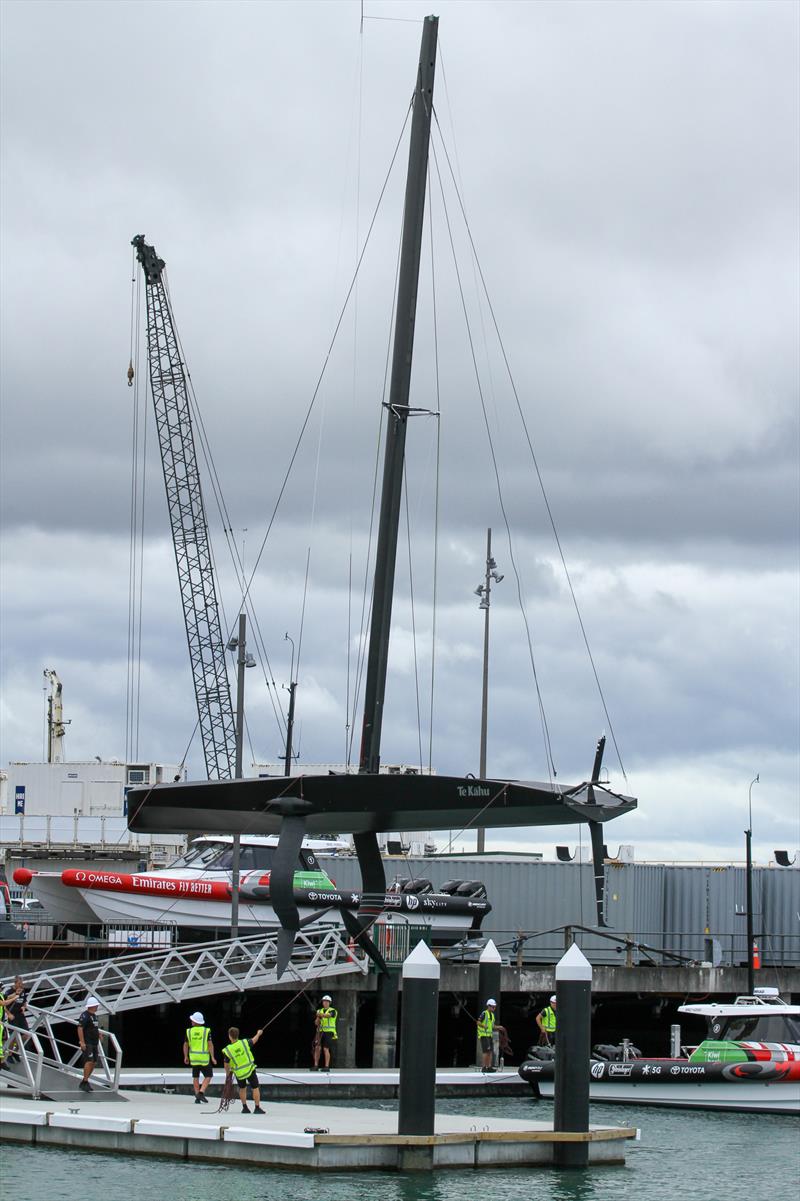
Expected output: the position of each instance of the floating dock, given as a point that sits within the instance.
(338, 1084)
(315, 1137)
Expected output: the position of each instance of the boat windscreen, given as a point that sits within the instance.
(765, 1028)
(250, 859)
(195, 856)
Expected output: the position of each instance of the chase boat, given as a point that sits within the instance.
(750, 1062)
(194, 892)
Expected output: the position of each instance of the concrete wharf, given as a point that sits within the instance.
(314, 1137)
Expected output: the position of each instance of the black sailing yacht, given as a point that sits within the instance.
(369, 802)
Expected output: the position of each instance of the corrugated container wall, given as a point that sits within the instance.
(660, 905)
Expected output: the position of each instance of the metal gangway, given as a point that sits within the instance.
(43, 1060)
(186, 971)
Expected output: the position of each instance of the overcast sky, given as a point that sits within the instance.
(630, 176)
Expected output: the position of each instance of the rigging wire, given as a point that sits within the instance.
(540, 700)
(367, 593)
(406, 490)
(206, 448)
(354, 394)
(326, 360)
(413, 614)
(436, 499)
(438, 479)
(529, 441)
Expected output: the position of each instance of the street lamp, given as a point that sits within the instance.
(484, 591)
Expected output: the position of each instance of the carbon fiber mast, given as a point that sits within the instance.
(372, 873)
(293, 824)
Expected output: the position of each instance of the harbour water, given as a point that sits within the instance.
(690, 1156)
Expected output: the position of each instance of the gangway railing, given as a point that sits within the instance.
(186, 971)
(39, 1061)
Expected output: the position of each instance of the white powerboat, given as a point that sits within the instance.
(750, 1062)
(194, 891)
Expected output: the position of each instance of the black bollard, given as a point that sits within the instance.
(417, 1099)
(489, 980)
(573, 1045)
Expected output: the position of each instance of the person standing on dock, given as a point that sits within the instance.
(198, 1050)
(486, 1028)
(546, 1021)
(241, 1062)
(326, 1036)
(89, 1033)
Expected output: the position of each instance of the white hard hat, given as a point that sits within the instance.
(491, 1001)
(92, 1003)
(196, 1017)
(327, 998)
(552, 1000)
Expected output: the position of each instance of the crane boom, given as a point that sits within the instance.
(188, 521)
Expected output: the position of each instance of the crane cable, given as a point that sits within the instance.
(136, 529)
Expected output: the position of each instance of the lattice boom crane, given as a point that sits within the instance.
(188, 521)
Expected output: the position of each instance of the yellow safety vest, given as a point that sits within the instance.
(327, 1021)
(197, 1040)
(548, 1017)
(241, 1058)
(486, 1024)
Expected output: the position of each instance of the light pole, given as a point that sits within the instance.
(243, 660)
(484, 591)
(748, 834)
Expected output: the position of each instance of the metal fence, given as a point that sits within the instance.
(522, 948)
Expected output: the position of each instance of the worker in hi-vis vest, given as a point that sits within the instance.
(487, 1024)
(240, 1062)
(198, 1050)
(326, 1035)
(546, 1021)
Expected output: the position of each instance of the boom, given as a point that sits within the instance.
(188, 520)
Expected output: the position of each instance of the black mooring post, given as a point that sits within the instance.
(417, 1097)
(489, 979)
(574, 1009)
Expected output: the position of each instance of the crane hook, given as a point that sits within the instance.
(130, 374)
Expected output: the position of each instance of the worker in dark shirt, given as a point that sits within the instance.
(6, 1004)
(89, 1034)
(16, 1007)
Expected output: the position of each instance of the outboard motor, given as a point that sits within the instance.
(452, 886)
(546, 1054)
(417, 886)
(472, 888)
(615, 1053)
